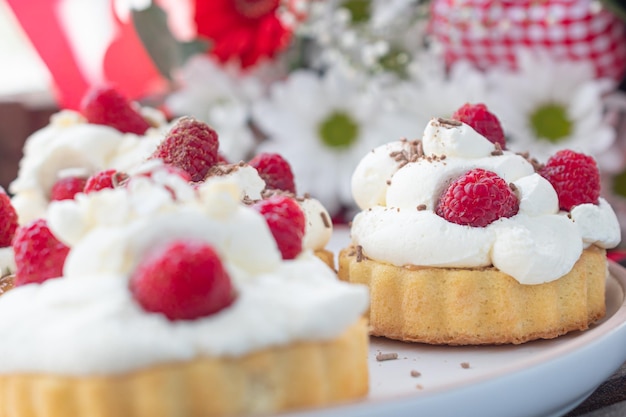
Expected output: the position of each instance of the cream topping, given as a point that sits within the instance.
(87, 321)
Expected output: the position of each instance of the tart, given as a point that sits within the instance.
(462, 242)
(175, 300)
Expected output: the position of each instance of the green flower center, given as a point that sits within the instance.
(359, 10)
(619, 184)
(396, 60)
(338, 130)
(550, 122)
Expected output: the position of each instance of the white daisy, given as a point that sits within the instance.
(434, 91)
(547, 105)
(220, 97)
(324, 125)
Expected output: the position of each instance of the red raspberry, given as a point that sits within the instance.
(109, 178)
(275, 171)
(574, 176)
(66, 188)
(190, 145)
(39, 255)
(106, 106)
(183, 279)
(286, 222)
(8, 220)
(482, 121)
(477, 198)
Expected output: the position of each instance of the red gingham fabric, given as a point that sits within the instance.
(488, 32)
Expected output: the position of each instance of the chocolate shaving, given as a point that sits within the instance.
(219, 170)
(498, 150)
(359, 253)
(269, 192)
(386, 356)
(414, 152)
(325, 220)
(118, 179)
(415, 373)
(536, 164)
(421, 207)
(465, 365)
(247, 200)
(448, 122)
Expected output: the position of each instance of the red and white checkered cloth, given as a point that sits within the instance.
(488, 32)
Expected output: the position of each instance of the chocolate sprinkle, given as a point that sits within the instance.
(498, 150)
(325, 220)
(386, 356)
(465, 365)
(415, 373)
(448, 122)
(421, 207)
(414, 152)
(359, 253)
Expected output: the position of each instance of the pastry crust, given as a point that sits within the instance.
(299, 375)
(457, 306)
(327, 256)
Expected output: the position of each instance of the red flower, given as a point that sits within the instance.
(242, 30)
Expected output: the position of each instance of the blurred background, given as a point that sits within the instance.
(324, 81)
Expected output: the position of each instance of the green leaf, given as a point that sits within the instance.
(617, 7)
(166, 51)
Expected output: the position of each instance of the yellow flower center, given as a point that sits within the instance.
(550, 122)
(338, 130)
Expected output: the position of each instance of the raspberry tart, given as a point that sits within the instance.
(177, 300)
(462, 242)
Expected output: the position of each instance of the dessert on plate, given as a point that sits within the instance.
(175, 299)
(463, 242)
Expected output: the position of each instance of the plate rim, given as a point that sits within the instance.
(599, 337)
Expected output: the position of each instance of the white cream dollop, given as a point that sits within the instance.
(398, 224)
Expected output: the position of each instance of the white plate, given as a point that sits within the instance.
(541, 378)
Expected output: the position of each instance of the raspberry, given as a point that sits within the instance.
(106, 106)
(574, 176)
(39, 255)
(183, 279)
(66, 188)
(190, 145)
(104, 179)
(286, 222)
(275, 171)
(477, 198)
(8, 220)
(482, 121)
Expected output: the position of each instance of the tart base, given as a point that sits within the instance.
(300, 375)
(327, 257)
(456, 306)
